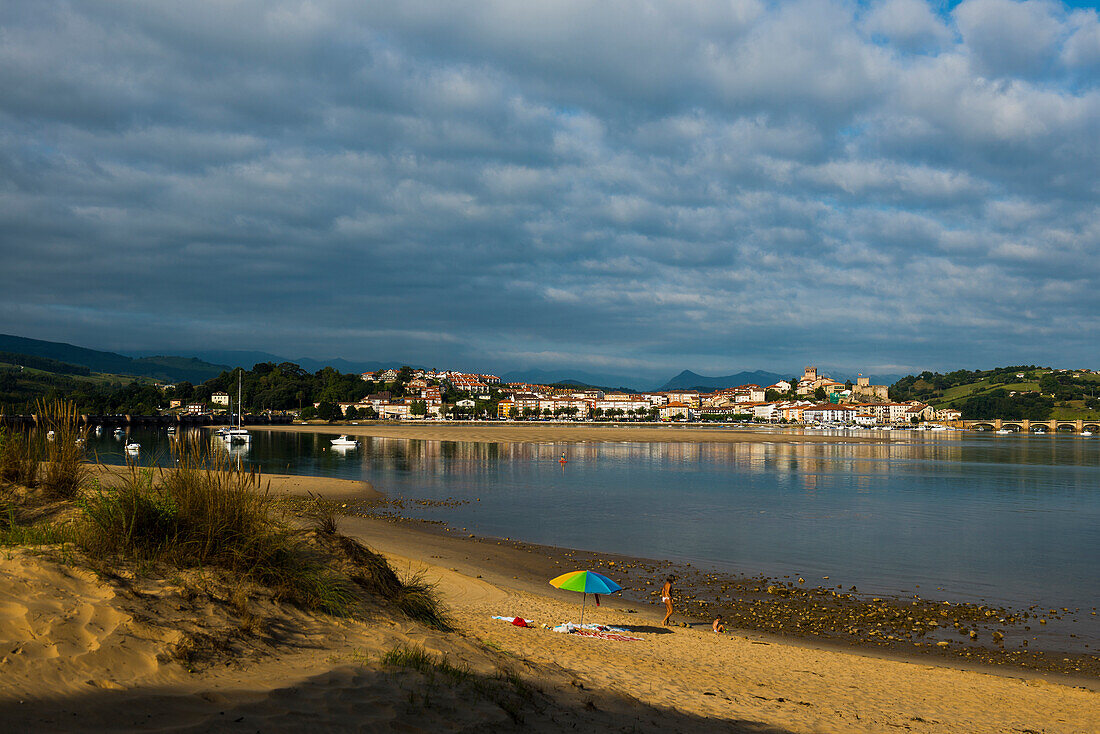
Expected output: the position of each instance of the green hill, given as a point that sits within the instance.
(169, 369)
(1031, 392)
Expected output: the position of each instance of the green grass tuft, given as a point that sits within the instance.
(29, 535)
(417, 658)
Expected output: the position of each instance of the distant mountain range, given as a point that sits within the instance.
(171, 369)
(688, 380)
(205, 364)
(577, 377)
(247, 359)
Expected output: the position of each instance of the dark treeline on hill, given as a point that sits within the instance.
(160, 367)
(931, 385)
(1000, 404)
(267, 386)
(19, 389)
(43, 363)
(286, 386)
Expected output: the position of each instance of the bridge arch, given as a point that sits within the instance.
(1092, 427)
(1012, 426)
(983, 426)
(1066, 426)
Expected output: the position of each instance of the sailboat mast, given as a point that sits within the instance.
(239, 405)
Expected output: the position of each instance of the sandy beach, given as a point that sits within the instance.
(568, 432)
(87, 654)
(279, 484)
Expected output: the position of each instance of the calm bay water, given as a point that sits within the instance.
(954, 516)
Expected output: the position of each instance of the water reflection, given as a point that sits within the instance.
(1012, 518)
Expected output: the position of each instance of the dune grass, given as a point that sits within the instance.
(52, 456)
(414, 596)
(204, 513)
(199, 513)
(64, 472)
(19, 457)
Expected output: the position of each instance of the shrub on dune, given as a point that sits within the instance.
(19, 455)
(204, 513)
(64, 473)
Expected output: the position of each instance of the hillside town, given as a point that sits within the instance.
(812, 399)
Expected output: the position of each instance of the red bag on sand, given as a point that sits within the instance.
(519, 622)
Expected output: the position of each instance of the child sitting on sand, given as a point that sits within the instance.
(718, 626)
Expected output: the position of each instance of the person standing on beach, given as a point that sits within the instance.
(666, 597)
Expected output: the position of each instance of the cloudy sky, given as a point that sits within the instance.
(619, 187)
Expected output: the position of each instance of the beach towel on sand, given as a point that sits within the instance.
(570, 627)
(606, 635)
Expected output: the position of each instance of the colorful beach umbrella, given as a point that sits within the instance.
(586, 582)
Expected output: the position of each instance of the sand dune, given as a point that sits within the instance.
(63, 631)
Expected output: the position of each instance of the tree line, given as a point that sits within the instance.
(265, 387)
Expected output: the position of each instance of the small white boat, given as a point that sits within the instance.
(1086, 433)
(1003, 432)
(133, 448)
(344, 442)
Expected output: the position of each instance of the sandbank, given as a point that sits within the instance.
(279, 484)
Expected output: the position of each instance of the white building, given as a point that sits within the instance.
(829, 413)
(767, 411)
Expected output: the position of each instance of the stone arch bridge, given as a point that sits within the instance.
(1090, 425)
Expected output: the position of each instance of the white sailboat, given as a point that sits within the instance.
(237, 434)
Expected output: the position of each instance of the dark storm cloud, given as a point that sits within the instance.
(618, 186)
